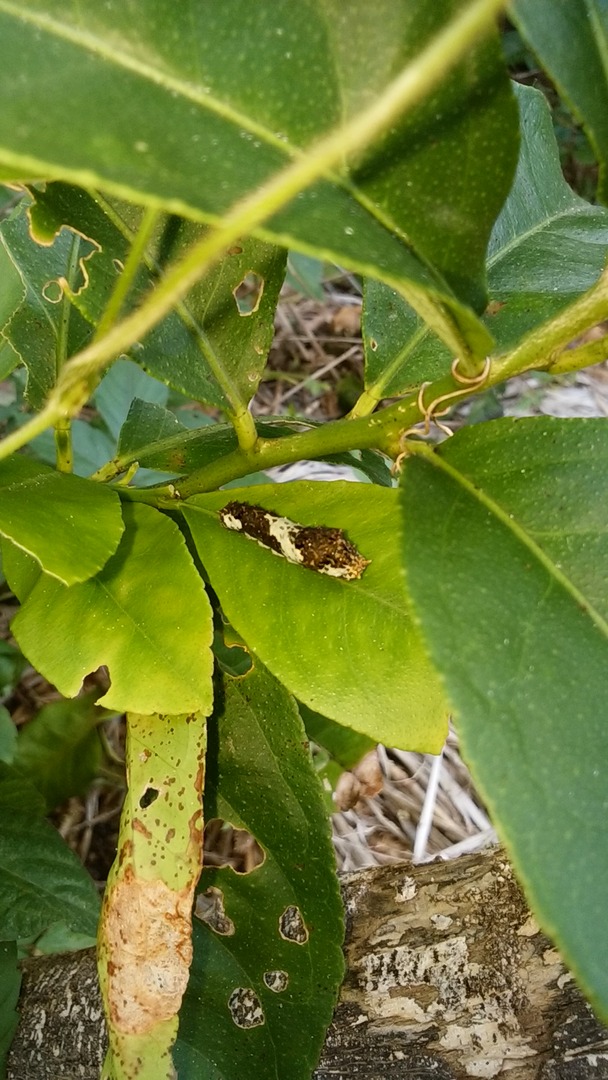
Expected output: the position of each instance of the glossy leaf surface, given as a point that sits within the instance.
(162, 117)
(348, 649)
(265, 978)
(547, 247)
(69, 525)
(506, 551)
(573, 45)
(126, 618)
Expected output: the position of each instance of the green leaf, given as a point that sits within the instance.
(18, 795)
(41, 880)
(10, 985)
(127, 617)
(69, 525)
(506, 550)
(548, 247)
(345, 746)
(40, 316)
(59, 750)
(150, 889)
(9, 359)
(572, 46)
(12, 664)
(146, 425)
(8, 736)
(348, 649)
(165, 116)
(260, 778)
(208, 348)
(21, 570)
(122, 384)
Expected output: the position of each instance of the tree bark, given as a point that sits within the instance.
(447, 977)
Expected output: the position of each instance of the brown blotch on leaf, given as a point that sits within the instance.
(209, 908)
(291, 926)
(149, 951)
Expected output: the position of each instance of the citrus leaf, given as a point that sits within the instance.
(10, 985)
(144, 943)
(163, 116)
(506, 551)
(20, 570)
(146, 425)
(8, 736)
(215, 344)
(59, 749)
(41, 880)
(36, 319)
(122, 384)
(572, 46)
(345, 746)
(348, 649)
(548, 246)
(127, 618)
(279, 947)
(69, 525)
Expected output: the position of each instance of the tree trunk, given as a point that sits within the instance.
(447, 977)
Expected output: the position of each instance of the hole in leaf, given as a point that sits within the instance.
(277, 981)
(52, 292)
(209, 908)
(246, 1008)
(149, 796)
(373, 344)
(249, 293)
(118, 265)
(291, 926)
(226, 846)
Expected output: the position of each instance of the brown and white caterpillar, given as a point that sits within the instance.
(318, 547)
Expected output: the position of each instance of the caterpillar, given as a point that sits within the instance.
(318, 547)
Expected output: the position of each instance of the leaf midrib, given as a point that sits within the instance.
(208, 102)
(120, 58)
(521, 534)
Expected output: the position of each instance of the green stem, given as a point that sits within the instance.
(372, 395)
(541, 347)
(411, 86)
(237, 411)
(593, 352)
(128, 274)
(63, 427)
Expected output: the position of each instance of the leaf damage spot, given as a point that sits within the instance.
(149, 951)
(246, 1008)
(209, 908)
(52, 292)
(292, 927)
(226, 846)
(248, 293)
(149, 796)
(277, 981)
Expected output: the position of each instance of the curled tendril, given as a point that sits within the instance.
(431, 412)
